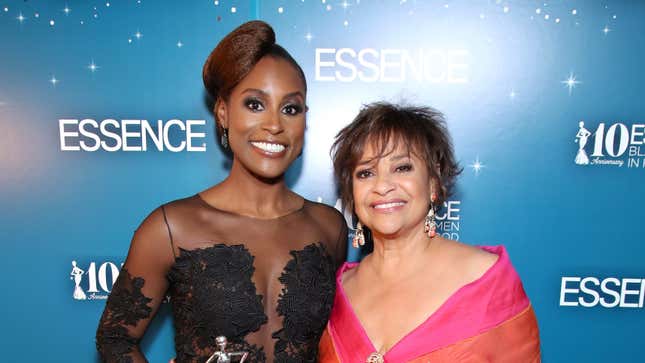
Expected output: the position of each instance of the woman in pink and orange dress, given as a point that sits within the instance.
(417, 297)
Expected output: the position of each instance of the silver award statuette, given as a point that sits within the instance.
(222, 356)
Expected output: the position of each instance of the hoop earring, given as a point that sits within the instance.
(359, 236)
(430, 225)
(224, 138)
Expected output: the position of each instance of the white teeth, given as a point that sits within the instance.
(272, 148)
(388, 205)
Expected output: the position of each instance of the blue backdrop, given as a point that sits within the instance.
(103, 117)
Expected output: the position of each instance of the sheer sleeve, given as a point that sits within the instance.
(340, 249)
(137, 292)
(333, 222)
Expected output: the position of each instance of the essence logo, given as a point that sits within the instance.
(392, 65)
(616, 144)
(95, 281)
(448, 219)
(131, 135)
(610, 292)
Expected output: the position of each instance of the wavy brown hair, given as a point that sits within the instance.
(422, 130)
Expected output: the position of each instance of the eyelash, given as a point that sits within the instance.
(252, 103)
(297, 109)
(362, 174)
(256, 105)
(404, 167)
(366, 173)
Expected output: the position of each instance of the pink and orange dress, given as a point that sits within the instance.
(487, 320)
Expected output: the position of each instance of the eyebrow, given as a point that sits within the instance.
(393, 158)
(365, 162)
(400, 156)
(265, 94)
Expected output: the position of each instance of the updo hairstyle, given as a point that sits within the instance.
(235, 56)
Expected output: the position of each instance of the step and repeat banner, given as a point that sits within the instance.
(103, 117)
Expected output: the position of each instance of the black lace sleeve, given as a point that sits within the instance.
(136, 294)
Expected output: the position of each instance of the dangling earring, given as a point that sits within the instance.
(359, 237)
(430, 226)
(224, 138)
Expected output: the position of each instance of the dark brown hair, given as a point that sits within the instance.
(421, 129)
(236, 54)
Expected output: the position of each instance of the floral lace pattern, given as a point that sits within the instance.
(212, 294)
(126, 306)
(305, 304)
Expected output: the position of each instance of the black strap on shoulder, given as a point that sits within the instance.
(165, 219)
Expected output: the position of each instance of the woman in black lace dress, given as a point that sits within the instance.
(247, 258)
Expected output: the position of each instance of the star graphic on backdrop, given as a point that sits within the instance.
(6, 9)
(309, 37)
(606, 30)
(180, 44)
(512, 94)
(345, 5)
(571, 82)
(280, 10)
(477, 166)
(92, 66)
(138, 35)
(53, 81)
(66, 10)
(52, 22)
(20, 18)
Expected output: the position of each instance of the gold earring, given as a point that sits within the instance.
(359, 237)
(430, 225)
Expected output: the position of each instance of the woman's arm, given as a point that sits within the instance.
(137, 293)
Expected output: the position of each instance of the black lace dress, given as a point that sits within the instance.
(267, 285)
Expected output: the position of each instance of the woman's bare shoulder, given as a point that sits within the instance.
(471, 260)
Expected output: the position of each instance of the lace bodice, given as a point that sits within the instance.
(267, 285)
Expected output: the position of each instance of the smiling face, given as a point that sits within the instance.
(391, 193)
(265, 118)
